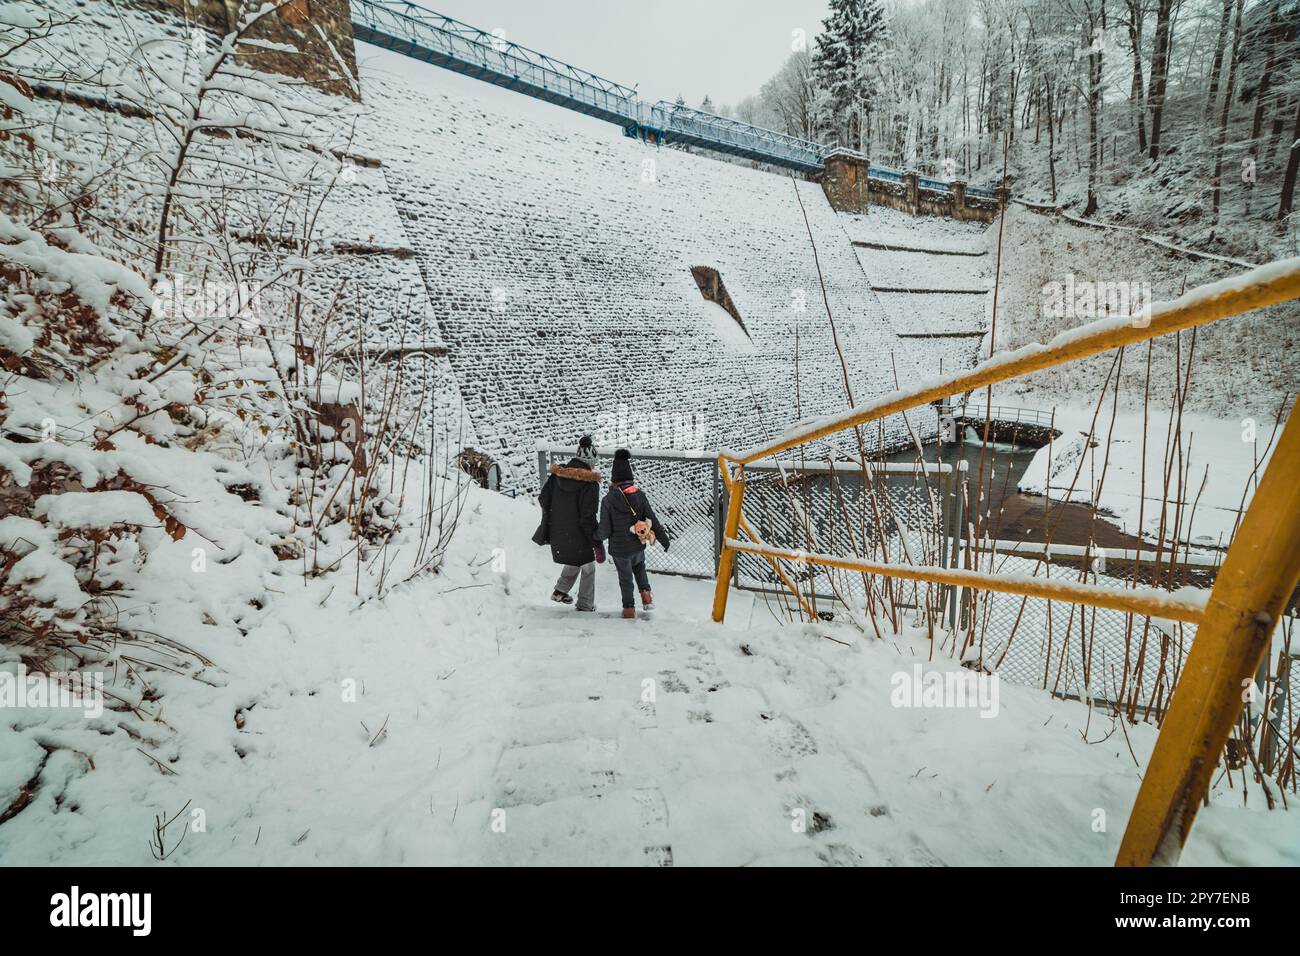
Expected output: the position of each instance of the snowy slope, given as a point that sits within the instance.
(366, 270)
(1242, 371)
(465, 719)
(1245, 366)
(1220, 470)
(933, 279)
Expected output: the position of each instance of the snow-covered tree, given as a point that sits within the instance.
(849, 51)
(177, 371)
(790, 96)
(1141, 111)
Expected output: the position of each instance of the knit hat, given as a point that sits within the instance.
(586, 450)
(622, 466)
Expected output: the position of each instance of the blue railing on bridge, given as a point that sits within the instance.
(676, 122)
(420, 33)
(406, 28)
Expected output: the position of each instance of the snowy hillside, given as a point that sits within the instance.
(1212, 399)
(933, 278)
(1243, 367)
(556, 253)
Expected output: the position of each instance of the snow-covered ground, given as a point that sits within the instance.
(933, 278)
(555, 249)
(466, 719)
(892, 227)
(1242, 370)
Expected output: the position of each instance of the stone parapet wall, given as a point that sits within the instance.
(850, 188)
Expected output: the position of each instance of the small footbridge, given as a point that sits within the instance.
(420, 33)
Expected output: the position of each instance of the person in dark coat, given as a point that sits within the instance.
(628, 523)
(568, 499)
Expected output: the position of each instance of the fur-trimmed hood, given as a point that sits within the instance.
(574, 472)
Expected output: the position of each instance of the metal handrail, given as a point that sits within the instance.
(391, 23)
(1234, 624)
(418, 20)
(851, 464)
(683, 122)
(1267, 285)
(1004, 413)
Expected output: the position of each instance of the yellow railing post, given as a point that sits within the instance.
(1151, 602)
(1259, 574)
(735, 496)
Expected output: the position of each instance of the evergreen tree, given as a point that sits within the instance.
(851, 43)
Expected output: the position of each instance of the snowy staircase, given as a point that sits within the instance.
(623, 736)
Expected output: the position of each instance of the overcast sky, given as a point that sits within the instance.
(725, 48)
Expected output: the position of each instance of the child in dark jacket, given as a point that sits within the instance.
(628, 523)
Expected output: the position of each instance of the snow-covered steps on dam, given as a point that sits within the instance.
(933, 278)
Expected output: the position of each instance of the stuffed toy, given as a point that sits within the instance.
(644, 532)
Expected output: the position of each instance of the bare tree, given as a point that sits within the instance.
(1228, 91)
(1212, 100)
(1285, 205)
(1137, 96)
(790, 95)
(1159, 72)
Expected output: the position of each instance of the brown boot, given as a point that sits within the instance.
(647, 600)
(629, 613)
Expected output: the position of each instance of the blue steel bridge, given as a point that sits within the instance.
(420, 33)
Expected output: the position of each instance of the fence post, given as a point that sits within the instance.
(1259, 573)
(945, 484)
(727, 560)
(541, 466)
(957, 595)
(719, 495)
(1273, 721)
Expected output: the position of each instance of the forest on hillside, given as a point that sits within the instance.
(1182, 115)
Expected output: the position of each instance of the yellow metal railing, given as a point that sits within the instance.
(1235, 621)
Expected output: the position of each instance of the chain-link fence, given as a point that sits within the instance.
(812, 506)
(888, 512)
(913, 514)
(683, 488)
(1086, 652)
(1093, 653)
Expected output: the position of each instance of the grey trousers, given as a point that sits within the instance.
(586, 588)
